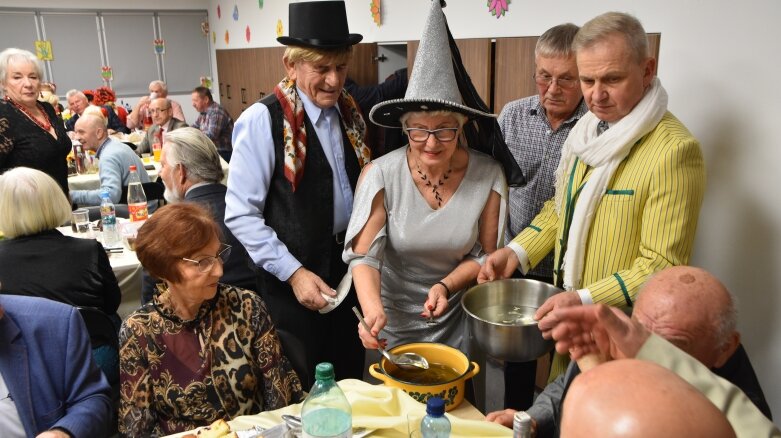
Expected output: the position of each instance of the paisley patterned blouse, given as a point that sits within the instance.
(177, 375)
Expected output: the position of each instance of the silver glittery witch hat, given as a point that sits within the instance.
(432, 85)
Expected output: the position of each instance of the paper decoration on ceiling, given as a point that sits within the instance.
(43, 50)
(235, 13)
(206, 81)
(227, 37)
(498, 7)
(247, 33)
(160, 46)
(107, 73)
(260, 4)
(280, 28)
(205, 28)
(375, 8)
(219, 12)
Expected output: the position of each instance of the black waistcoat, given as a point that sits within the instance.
(303, 220)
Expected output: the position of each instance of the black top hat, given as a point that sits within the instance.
(320, 25)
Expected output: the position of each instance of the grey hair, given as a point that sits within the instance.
(14, 55)
(727, 322)
(556, 42)
(196, 152)
(75, 92)
(31, 202)
(166, 100)
(161, 84)
(610, 23)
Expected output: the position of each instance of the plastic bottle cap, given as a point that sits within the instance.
(133, 167)
(324, 371)
(104, 194)
(435, 406)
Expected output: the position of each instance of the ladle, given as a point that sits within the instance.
(408, 361)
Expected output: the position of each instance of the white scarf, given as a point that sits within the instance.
(604, 153)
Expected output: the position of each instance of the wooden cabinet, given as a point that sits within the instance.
(247, 75)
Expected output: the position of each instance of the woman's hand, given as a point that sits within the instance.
(436, 304)
(375, 318)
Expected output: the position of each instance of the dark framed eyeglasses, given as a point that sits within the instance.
(441, 134)
(544, 80)
(207, 263)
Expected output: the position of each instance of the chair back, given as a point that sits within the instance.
(100, 327)
(153, 191)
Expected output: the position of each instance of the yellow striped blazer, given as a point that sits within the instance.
(645, 221)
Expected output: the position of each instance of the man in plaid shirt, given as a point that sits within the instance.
(534, 129)
(213, 121)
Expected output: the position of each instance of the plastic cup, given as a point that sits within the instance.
(156, 152)
(80, 220)
(147, 158)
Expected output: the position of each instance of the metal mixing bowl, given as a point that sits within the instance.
(499, 315)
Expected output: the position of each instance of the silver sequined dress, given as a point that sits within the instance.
(419, 246)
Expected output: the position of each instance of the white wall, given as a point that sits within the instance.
(107, 4)
(719, 61)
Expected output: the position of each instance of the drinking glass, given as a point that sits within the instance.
(80, 219)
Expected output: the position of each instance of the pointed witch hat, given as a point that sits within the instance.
(439, 81)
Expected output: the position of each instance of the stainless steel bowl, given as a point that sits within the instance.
(499, 315)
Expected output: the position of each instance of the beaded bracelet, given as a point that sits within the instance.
(447, 289)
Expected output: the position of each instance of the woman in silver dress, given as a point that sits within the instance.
(425, 215)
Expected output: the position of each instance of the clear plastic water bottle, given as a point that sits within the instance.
(108, 219)
(136, 198)
(435, 424)
(326, 411)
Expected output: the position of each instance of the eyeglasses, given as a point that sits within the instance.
(207, 263)
(546, 80)
(158, 110)
(421, 135)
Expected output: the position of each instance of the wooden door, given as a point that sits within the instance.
(267, 71)
(476, 56)
(362, 67)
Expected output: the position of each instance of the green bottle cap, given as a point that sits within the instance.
(324, 371)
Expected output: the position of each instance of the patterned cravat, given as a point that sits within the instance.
(602, 126)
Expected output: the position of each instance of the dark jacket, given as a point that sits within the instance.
(61, 268)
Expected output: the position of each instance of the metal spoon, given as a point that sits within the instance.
(409, 361)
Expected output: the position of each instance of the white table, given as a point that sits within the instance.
(91, 181)
(127, 269)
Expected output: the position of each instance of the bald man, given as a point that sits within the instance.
(601, 331)
(114, 156)
(652, 403)
(686, 306)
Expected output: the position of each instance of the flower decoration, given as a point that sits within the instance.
(247, 33)
(103, 96)
(260, 4)
(205, 28)
(375, 8)
(214, 37)
(280, 28)
(159, 46)
(498, 7)
(227, 37)
(235, 13)
(106, 73)
(219, 12)
(206, 81)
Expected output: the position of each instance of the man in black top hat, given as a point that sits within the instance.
(296, 159)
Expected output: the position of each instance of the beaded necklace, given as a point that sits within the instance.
(46, 125)
(440, 182)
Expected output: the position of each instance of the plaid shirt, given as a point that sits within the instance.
(537, 149)
(217, 124)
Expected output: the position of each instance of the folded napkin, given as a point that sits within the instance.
(389, 411)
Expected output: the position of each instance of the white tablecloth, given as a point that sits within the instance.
(91, 181)
(127, 269)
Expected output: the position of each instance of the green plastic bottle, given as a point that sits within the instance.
(326, 411)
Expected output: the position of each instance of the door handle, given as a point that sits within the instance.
(228, 90)
(243, 95)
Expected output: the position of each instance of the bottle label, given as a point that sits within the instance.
(138, 212)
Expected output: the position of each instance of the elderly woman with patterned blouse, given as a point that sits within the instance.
(201, 350)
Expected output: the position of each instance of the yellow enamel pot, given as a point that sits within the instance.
(451, 391)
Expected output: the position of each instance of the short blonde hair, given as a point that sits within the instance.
(603, 26)
(295, 54)
(30, 202)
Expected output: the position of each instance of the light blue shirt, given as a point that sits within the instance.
(249, 178)
(115, 159)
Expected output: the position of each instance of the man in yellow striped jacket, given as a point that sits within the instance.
(629, 185)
